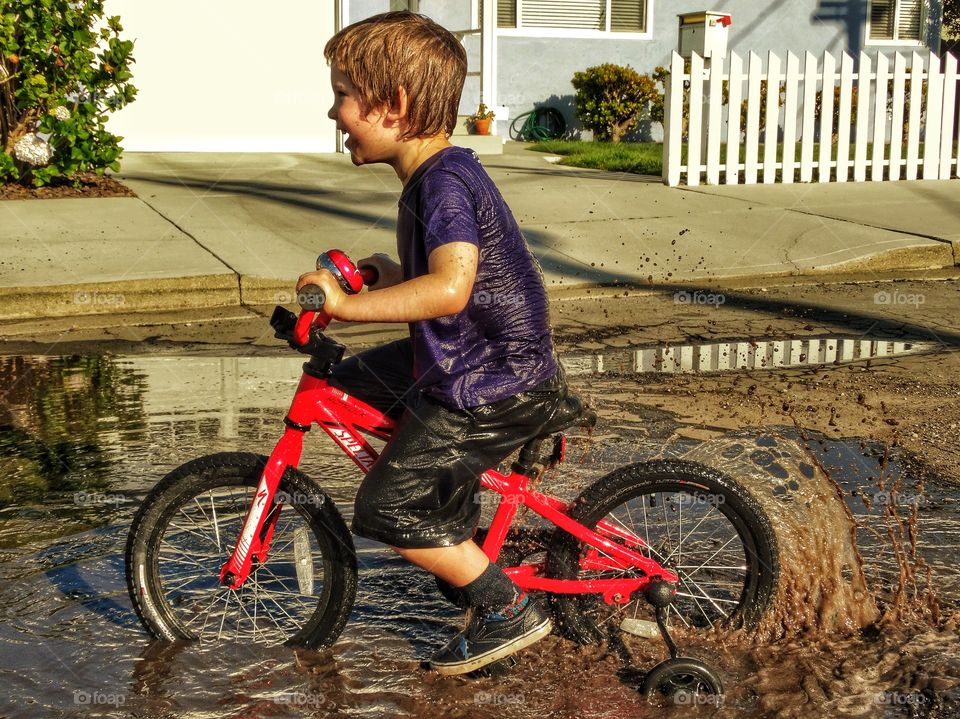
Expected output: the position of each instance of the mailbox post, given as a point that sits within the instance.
(703, 33)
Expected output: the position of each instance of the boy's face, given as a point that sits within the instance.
(367, 139)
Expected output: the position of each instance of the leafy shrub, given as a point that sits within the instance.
(610, 99)
(62, 71)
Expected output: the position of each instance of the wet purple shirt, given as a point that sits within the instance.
(500, 343)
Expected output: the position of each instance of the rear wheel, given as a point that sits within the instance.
(185, 532)
(694, 521)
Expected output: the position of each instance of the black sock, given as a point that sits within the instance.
(492, 591)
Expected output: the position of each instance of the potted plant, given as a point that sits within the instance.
(481, 120)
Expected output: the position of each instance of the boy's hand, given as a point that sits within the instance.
(388, 271)
(331, 289)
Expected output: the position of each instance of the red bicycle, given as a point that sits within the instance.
(243, 547)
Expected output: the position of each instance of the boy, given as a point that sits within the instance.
(478, 376)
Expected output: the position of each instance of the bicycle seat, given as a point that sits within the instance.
(569, 413)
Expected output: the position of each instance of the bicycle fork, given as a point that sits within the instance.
(259, 524)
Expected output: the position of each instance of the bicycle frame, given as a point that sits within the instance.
(345, 419)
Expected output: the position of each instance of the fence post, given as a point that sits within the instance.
(946, 127)
(790, 119)
(864, 75)
(931, 141)
(896, 121)
(806, 129)
(714, 120)
(733, 120)
(843, 120)
(826, 117)
(750, 163)
(880, 119)
(913, 130)
(772, 118)
(695, 129)
(673, 121)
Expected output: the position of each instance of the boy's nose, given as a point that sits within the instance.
(332, 113)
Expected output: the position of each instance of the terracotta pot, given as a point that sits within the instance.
(482, 127)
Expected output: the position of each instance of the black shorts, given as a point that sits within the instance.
(423, 490)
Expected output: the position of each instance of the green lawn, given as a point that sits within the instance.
(643, 158)
(646, 158)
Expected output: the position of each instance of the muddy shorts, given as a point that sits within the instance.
(423, 490)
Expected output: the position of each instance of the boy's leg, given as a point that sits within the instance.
(381, 376)
(421, 498)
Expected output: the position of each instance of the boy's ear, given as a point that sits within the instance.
(399, 107)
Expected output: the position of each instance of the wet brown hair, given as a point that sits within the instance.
(394, 49)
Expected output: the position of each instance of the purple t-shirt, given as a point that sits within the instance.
(500, 343)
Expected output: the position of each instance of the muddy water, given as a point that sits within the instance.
(83, 439)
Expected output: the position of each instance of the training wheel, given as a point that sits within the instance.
(684, 680)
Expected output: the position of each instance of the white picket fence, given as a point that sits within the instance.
(888, 95)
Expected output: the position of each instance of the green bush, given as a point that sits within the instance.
(610, 99)
(63, 69)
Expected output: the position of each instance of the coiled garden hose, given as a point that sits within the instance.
(543, 123)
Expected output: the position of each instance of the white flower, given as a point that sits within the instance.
(61, 113)
(33, 150)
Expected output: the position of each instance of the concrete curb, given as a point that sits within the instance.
(127, 296)
(222, 291)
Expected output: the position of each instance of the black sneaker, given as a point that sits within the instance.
(487, 640)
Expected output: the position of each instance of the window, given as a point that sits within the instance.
(575, 16)
(896, 20)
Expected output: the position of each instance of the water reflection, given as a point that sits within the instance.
(746, 354)
(60, 422)
(111, 427)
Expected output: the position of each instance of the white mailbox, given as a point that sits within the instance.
(704, 33)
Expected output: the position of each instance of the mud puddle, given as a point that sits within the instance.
(83, 439)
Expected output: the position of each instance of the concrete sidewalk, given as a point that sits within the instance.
(213, 230)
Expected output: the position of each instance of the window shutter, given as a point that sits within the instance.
(577, 14)
(506, 13)
(881, 19)
(911, 15)
(628, 15)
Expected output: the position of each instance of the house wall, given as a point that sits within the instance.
(537, 71)
(225, 76)
(533, 72)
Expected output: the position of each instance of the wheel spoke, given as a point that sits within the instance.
(708, 545)
(192, 548)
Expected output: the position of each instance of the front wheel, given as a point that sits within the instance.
(694, 521)
(185, 532)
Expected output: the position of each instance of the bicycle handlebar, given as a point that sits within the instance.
(311, 297)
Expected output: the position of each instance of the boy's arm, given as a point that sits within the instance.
(444, 290)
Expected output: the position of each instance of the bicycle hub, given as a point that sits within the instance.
(660, 593)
